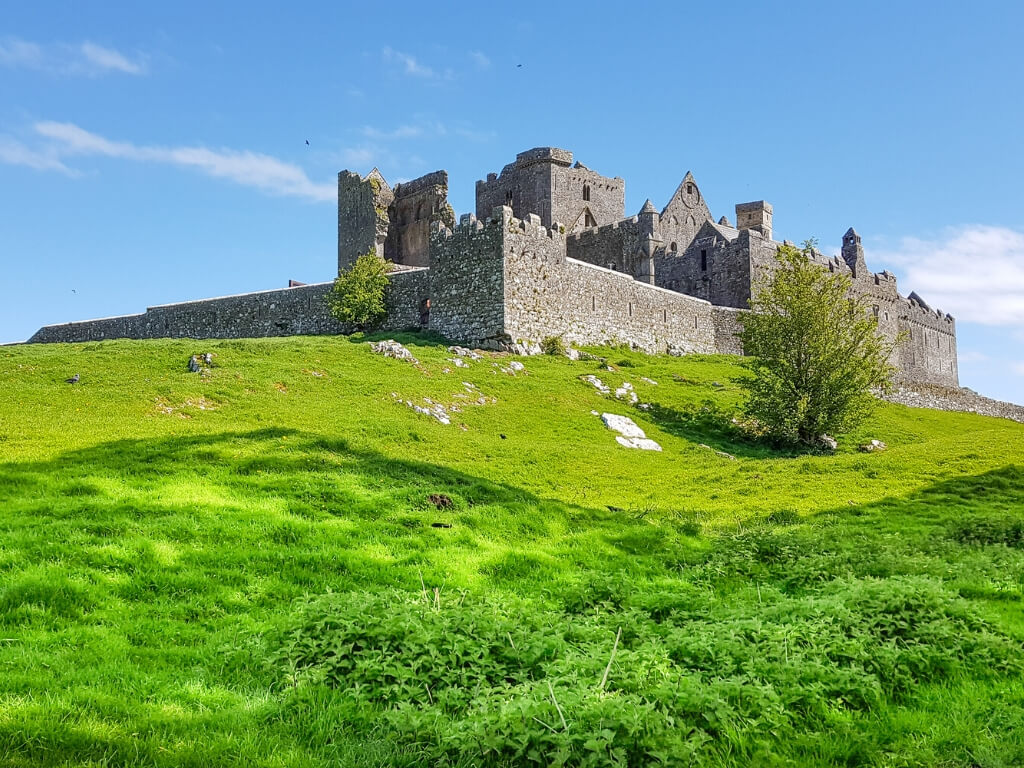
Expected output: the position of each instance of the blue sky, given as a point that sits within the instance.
(152, 153)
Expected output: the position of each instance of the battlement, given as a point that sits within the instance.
(501, 221)
(593, 233)
(429, 181)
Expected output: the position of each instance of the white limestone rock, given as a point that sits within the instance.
(391, 348)
(597, 384)
(465, 352)
(643, 443)
(626, 392)
(630, 435)
(624, 425)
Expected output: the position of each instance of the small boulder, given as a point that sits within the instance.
(873, 446)
(391, 348)
(193, 364)
(597, 384)
(630, 435)
(828, 442)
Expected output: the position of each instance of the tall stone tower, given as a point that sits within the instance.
(853, 253)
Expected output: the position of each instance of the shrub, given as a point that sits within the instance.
(815, 352)
(553, 345)
(357, 296)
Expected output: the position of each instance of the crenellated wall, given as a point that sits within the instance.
(467, 281)
(613, 246)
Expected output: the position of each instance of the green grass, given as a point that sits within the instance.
(240, 568)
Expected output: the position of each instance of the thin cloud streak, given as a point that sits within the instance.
(413, 67)
(109, 59)
(250, 169)
(85, 59)
(15, 153)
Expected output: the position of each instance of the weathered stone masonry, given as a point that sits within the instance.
(551, 253)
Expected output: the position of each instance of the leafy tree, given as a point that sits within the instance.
(815, 352)
(357, 296)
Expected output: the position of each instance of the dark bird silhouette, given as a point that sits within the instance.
(72, 380)
(519, 66)
(307, 142)
(502, 437)
(73, 290)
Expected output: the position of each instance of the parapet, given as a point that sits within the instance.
(435, 179)
(542, 155)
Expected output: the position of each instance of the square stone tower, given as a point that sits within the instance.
(544, 181)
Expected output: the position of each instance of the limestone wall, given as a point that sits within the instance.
(467, 281)
(613, 246)
(548, 294)
(285, 312)
(416, 205)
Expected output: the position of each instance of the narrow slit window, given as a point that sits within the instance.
(586, 192)
(703, 260)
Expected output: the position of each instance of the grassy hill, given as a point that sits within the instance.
(244, 567)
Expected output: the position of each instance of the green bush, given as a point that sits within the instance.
(357, 296)
(815, 352)
(553, 345)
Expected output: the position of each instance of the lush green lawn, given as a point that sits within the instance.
(241, 568)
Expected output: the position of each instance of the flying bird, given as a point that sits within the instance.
(73, 290)
(307, 142)
(518, 66)
(72, 380)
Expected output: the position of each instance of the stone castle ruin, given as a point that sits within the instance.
(549, 252)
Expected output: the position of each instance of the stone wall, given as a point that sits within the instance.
(284, 312)
(613, 246)
(929, 353)
(548, 294)
(416, 205)
(728, 325)
(467, 281)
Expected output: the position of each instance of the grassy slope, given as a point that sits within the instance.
(149, 561)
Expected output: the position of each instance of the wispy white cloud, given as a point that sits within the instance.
(401, 132)
(976, 273)
(412, 66)
(250, 169)
(46, 159)
(106, 59)
(409, 63)
(480, 59)
(85, 59)
(21, 53)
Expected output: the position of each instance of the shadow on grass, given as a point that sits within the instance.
(277, 485)
(710, 425)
